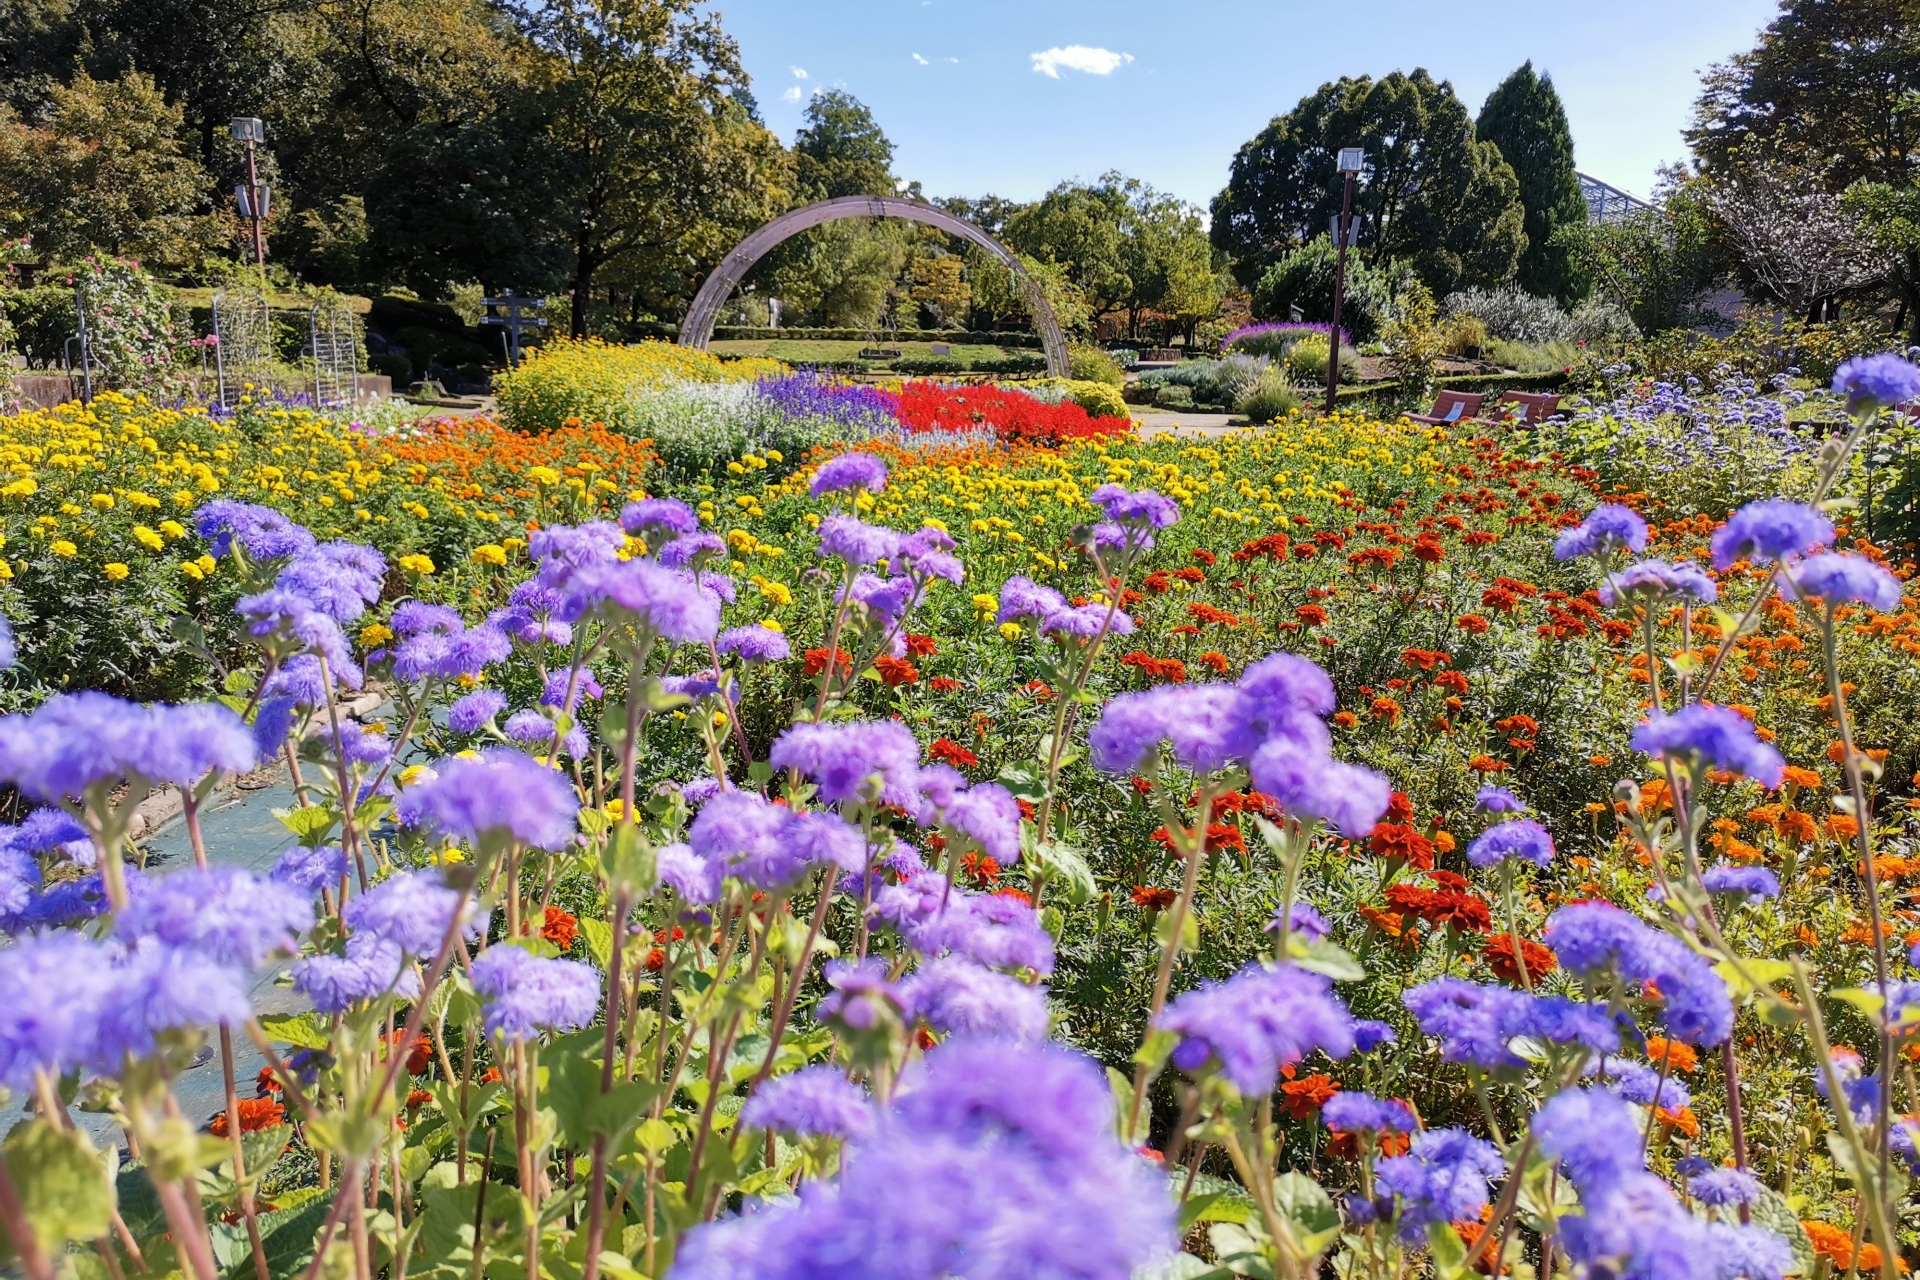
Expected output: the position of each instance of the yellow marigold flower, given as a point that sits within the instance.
(192, 570)
(415, 773)
(206, 563)
(1010, 630)
(102, 501)
(115, 571)
(774, 455)
(489, 553)
(986, 603)
(375, 635)
(61, 547)
(6, 571)
(25, 487)
(615, 809)
(417, 564)
(147, 538)
(543, 475)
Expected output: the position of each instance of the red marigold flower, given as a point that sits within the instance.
(1141, 786)
(1216, 660)
(1150, 898)
(1345, 720)
(1425, 659)
(1518, 724)
(418, 1098)
(1040, 689)
(255, 1114)
(1020, 895)
(1305, 550)
(951, 752)
(895, 671)
(921, 646)
(1399, 807)
(1486, 764)
(1171, 670)
(1311, 614)
(1374, 558)
(1472, 623)
(981, 869)
(1428, 550)
(1451, 681)
(558, 927)
(1158, 583)
(1211, 616)
(1190, 575)
(816, 661)
(1480, 538)
(1499, 956)
(1186, 629)
(1387, 709)
(1204, 556)
(943, 684)
(1305, 1096)
(1499, 599)
(1398, 840)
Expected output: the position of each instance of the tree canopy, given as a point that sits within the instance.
(1525, 119)
(1433, 194)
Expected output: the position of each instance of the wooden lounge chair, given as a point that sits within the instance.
(1450, 407)
(1518, 408)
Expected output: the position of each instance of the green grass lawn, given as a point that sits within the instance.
(794, 351)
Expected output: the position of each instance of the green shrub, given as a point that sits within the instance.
(1304, 278)
(1268, 398)
(1099, 399)
(1022, 363)
(397, 367)
(1306, 361)
(929, 366)
(1465, 334)
(42, 320)
(1532, 357)
(1091, 364)
(1171, 395)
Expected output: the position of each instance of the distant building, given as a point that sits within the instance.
(1608, 203)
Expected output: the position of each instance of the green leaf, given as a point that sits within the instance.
(263, 1148)
(301, 1030)
(1325, 957)
(1025, 781)
(573, 1091)
(1181, 1266)
(286, 1237)
(310, 824)
(599, 936)
(1867, 1002)
(1449, 1254)
(629, 860)
(1306, 1204)
(1763, 972)
(1069, 864)
(1189, 929)
(1239, 1250)
(65, 1186)
(1776, 1215)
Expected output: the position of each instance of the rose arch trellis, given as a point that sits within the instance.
(697, 329)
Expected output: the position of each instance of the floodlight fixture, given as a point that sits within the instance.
(1352, 159)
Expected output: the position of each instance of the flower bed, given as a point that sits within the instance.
(1449, 866)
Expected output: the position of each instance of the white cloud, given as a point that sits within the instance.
(952, 59)
(1078, 57)
(794, 94)
(922, 61)
(799, 73)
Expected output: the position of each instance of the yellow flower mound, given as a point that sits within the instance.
(490, 553)
(588, 381)
(416, 564)
(115, 571)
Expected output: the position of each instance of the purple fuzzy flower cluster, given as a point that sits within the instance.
(1631, 1224)
(1353, 1111)
(1132, 517)
(958, 997)
(1023, 599)
(1763, 532)
(1836, 578)
(813, 1102)
(670, 603)
(76, 741)
(435, 644)
(527, 994)
(262, 532)
(997, 1159)
(768, 846)
(1877, 381)
(1592, 938)
(846, 760)
(1523, 840)
(1718, 736)
(995, 930)
(412, 911)
(754, 645)
(1651, 581)
(1607, 528)
(227, 914)
(849, 471)
(1442, 1179)
(500, 795)
(1477, 1024)
(1261, 1019)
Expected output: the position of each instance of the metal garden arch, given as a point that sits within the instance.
(697, 329)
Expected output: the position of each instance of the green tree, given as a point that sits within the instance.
(1891, 217)
(107, 173)
(1525, 119)
(1304, 279)
(1655, 263)
(1432, 193)
(841, 151)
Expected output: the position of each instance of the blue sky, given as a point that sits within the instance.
(1013, 96)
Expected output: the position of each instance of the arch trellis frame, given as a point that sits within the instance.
(696, 330)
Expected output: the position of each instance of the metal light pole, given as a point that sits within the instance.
(253, 197)
(1350, 162)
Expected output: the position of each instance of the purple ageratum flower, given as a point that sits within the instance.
(1607, 528)
(1308, 785)
(9, 650)
(691, 548)
(1086, 622)
(1442, 1179)
(822, 840)
(371, 968)
(1204, 725)
(1287, 697)
(995, 930)
(262, 532)
(583, 683)
(310, 870)
(471, 713)
(861, 994)
(1476, 1024)
(19, 878)
(69, 903)
(1498, 800)
(1652, 580)
(989, 816)
(755, 644)
(1637, 1082)
(1724, 1187)
(1024, 598)
(191, 741)
(1769, 530)
(412, 910)
(157, 989)
(695, 878)
(924, 555)
(958, 997)
(272, 722)
(415, 616)
(1142, 507)
(527, 994)
(1837, 578)
(883, 600)
(78, 740)
(1357, 1112)
(224, 912)
(752, 837)
(1370, 1034)
(645, 594)
(1303, 920)
(849, 471)
(337, 579)
(500, 795)
(1592, 937)
(1592, 1134)
(531, 727)
(51, 990)
(1876, 381)
(1719, 736)
(1256, 1022)
(697, 791)
(656, 519)
(1745, 883)
(813, 1102)
(841, 758)
(562, 550)
(1521, 839)
(858, 543)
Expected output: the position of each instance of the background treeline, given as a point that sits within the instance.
(606, 153)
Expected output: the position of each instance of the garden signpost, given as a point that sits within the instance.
(253, 198)
(1351, 160)
(514, 321)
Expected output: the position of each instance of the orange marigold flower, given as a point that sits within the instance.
(1305, 1096)
(1798, 825)
(982, 870)
(1796, 776)
(943, 684)
(1499, 956)
(1387, 709)
(1311, 614)
(1398, 840)
(1215, 659)
(1399, 807)
(558, 927)
(418, 1098)
(1452, 681)
(1388, 922)
(1677, 1056)
(1599, 762)
(1150, 898)
(921, 646)
(895, 671)
(1842, 826)
(1472, 623)
(1486, 764)
(255, 1114)
(1345, 720)
(1683, 1119)
(947, 751)
(816, 661)
(1425, 659)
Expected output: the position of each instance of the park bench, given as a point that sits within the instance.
(1450, 407)
(1524, 408)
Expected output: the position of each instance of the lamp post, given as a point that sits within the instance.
(253, 197)
(1351, 160)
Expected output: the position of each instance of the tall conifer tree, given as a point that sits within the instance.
(1524, 118)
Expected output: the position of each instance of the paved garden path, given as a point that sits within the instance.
(1186, 424)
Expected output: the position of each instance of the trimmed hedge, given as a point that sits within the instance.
(744, 333)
